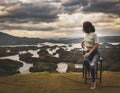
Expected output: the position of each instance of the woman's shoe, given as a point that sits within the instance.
(93, 85)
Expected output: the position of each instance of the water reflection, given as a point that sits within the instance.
(62, 67)
(53, 51)
(34, 52)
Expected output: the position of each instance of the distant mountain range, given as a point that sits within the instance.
(6, 39)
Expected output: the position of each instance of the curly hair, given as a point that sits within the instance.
(88, 27)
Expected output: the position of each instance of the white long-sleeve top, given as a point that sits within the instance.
(90, 39)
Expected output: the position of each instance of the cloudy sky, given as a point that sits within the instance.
(58, 18)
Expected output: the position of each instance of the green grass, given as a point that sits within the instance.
(57, 83)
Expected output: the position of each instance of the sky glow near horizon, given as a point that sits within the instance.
(58, 18)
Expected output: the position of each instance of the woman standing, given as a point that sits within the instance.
(92, 55)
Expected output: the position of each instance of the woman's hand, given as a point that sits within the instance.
(94, 47)
(87, 54)
(83, 45)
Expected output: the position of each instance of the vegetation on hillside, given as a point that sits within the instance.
(9, 67)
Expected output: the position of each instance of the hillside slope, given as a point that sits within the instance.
(6, 39)
(57, 83)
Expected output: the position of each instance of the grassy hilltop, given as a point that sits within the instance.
(44, 82)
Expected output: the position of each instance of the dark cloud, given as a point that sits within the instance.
(53, 1)
(47, 12)
(8, 27)
(105, 6)
(71, 6)
(71, 9)
(38, 11)
(69, 3)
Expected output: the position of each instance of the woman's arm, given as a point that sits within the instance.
(83, 44)
(94, 48)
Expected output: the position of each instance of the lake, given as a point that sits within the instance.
(61, 67)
